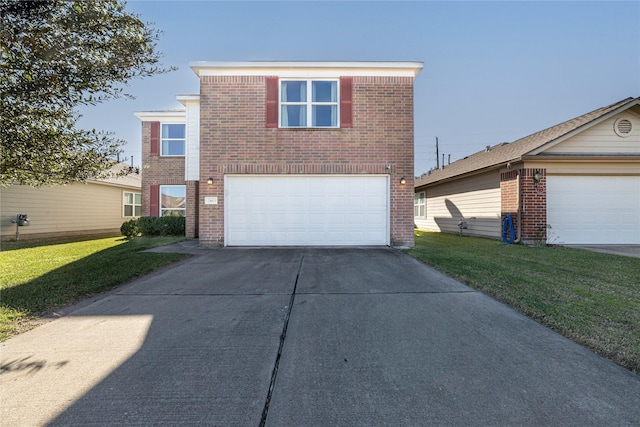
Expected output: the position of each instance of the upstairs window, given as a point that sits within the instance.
(309, 103)
(173, 140)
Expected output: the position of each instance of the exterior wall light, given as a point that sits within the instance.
(210, 181)
(403, 181)
(537, 176)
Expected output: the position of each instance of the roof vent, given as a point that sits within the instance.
(487, 149)
(623, 127)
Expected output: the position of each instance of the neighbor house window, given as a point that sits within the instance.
(132, 204)
(173, 140)
(309, 103)
(173, 200)
(419, 205)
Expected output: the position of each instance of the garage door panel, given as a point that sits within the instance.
(291, 221)
(334, 202)
(317, 204)
(333, 186)
(379, 202)
(353, 203)
(318, 217)
(594, 209)
(353, 219)
(374, 220)
(240, 219)
(306, 210)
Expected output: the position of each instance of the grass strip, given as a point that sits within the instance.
(591, 298)
(36, 279)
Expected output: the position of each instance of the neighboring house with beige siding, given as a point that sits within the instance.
(574, 183)
(94, 207)
(477, 203)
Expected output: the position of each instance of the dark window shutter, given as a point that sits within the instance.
(155, 138)
(272, 102)
(154, 199)
(346, 104)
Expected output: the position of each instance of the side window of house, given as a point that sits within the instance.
(132, 204)
(173, 200)
(309, 103)
(173, 139)
(419, 205)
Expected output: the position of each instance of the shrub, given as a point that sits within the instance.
(161, 226)
(149, 226)
(129, 229)
(173, 225)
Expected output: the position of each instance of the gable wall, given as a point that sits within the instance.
(602, 138)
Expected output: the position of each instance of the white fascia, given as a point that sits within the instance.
(188, 99)
(307, 69)
(173, 116)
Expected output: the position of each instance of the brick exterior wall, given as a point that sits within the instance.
(534, 206)
(532, 199)
(157, 170)
(234, 139)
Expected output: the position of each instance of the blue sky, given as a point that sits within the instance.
(493, 71)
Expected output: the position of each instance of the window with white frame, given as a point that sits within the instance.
(309, 103)
(173, 200)
(173, 139)
(419, 205)
(131, 204)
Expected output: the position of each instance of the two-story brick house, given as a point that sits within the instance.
(287, 154)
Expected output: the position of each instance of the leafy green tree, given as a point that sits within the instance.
(55, 56)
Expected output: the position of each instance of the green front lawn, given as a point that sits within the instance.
(591, 298)
(37, 278)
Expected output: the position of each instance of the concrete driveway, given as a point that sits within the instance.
(305, 337)
(624, 250)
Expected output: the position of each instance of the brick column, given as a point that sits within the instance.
(191, 220)
(533, 199)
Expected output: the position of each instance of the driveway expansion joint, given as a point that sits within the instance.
(283, 336)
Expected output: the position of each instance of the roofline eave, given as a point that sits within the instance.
(500, 165)
(585, 157)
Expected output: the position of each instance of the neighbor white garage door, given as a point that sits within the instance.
(593, 209)
(306, 210)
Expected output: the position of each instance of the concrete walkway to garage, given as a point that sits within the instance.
(624, 250)
(304, 337)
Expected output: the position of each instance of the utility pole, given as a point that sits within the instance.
(437, 155)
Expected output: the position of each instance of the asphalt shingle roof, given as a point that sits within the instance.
(132, 179)
(509, 152)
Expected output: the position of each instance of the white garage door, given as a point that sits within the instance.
(594, 209)
(306, 210)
